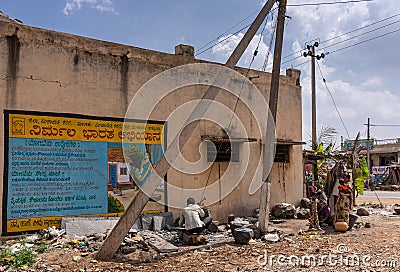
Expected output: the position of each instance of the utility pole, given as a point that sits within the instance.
(311, 52)
(273, 104)
(118, 233)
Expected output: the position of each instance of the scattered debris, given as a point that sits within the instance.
(157, 242)
(213, 227)
(283, 210)
(193, 239)
(147, 246)
(305, 203)
(302, 213)
(243, 235)
(271, 237)
(362, 211)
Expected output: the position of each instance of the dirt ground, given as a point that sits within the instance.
(376, 248)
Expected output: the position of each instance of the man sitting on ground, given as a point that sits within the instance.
(191, 217)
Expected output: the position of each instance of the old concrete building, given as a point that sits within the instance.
(48, 71)
(385, 152)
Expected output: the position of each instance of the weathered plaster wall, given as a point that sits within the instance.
(49, 71)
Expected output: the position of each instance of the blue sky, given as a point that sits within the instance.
(362, 78)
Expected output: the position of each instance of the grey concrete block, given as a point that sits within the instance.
(147, 221)
(243, 235)
(158, 223)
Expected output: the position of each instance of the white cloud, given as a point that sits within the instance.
(362, 79)
(373, 83)
(101, 5)
(358, 77)
(355, 104)
(223, 50)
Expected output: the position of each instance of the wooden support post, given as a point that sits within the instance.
(132, 213)
(354, 156)
(273, 104)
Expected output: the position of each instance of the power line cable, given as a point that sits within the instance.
(229, 36)
(333, 100)
(270, 43)
(371, 39)
(359, 35)
(306, 4)
(385, 125)
(354, 30)
(349, 46)
(357, 29)
(328, 3)
(215, 39)
(221, 41)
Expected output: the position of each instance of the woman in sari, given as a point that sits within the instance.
(344, 203)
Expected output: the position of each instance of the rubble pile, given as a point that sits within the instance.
(163, 238)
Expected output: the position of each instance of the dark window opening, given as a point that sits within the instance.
(387, 160)
(224, 151)
(123, 171)
(282, 153)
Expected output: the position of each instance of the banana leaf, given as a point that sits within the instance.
(364, 168)
(359, 181)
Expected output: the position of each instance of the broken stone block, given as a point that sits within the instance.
(134, 240)
(222, 228)
(213, 227)
(128, 249)
(256, 231)
(158, 223)
(147, 222)
(193, 239)
(99, 236)
(362, 211)
(138, 224)
(243, 235)
(157, 242)
(238, 223)
(305, 203)
(283, 210)
(302, 213)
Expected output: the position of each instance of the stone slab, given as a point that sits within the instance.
(157, 242)
(158, 223)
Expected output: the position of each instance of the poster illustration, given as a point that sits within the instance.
(60, 165)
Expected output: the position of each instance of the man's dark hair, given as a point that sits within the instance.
(190, 200)
(347, 176)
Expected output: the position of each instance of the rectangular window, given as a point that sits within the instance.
(282, 153)
(387, 160)
(123, 171)
(224, 151)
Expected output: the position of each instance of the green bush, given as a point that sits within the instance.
(114, 205)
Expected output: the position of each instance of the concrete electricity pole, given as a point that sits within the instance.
(273, 104)
(133, 211)
(311, 52)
